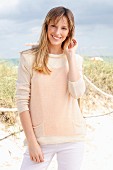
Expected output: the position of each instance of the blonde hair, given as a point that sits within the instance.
(41, 51)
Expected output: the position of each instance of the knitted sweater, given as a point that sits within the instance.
(51, 99)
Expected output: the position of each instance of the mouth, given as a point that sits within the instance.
(56, 38)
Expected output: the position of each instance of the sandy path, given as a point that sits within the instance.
(98, 151)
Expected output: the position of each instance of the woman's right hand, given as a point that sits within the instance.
(34, 148)
(35, 152)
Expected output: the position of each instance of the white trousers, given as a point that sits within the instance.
(69, 157)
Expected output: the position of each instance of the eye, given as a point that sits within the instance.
(52, 25)
(64, 28)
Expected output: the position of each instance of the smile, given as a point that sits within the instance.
(56, 38)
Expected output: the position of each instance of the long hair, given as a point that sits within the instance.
(41, 51)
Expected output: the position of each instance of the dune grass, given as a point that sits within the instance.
(100, 73)
(8, 76)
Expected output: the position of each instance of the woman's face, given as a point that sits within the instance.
(57, 32)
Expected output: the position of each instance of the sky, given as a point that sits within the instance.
(21, 21)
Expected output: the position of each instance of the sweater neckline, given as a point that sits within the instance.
(56, 55)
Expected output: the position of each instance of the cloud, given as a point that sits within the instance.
(86, 12)
(23, 10)
(21, 20)
(8, 5)
(8, 8)
(95, 12)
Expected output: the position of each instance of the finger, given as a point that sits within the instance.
(71, 45)
(36, 159)
(43, 155)
(74, 40)
(74, 43)
(41, 158)
(33, 158)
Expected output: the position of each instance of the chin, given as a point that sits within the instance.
(55, 44)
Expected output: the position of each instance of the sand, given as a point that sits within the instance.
(98, 147)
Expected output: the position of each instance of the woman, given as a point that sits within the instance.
(49, 83)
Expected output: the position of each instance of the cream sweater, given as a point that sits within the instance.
(51, 99)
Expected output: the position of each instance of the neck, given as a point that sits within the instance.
(55, 50)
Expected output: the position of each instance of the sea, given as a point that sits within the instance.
(15, 61)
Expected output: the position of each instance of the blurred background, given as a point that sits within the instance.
(21, 20)
(20, 23)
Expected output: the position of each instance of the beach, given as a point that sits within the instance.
(98, 147)
(97, 109)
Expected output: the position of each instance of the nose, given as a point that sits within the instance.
(57, 31)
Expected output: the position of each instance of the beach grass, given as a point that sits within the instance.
(100, 73)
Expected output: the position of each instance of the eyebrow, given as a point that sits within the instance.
(65, 26)
(53, 22)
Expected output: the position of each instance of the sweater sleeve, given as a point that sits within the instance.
(77, 89)
(23, 85)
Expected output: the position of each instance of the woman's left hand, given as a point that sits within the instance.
(71, 48)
